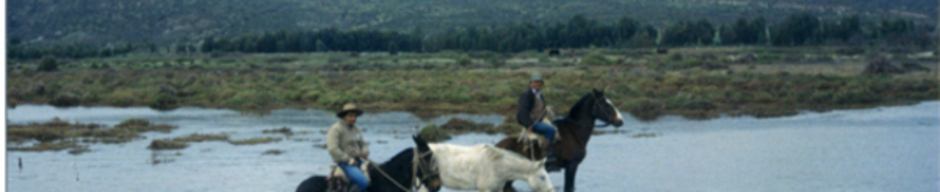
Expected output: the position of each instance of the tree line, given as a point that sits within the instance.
(798, 29)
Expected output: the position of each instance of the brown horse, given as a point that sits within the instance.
(575, 130)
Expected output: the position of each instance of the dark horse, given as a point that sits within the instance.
(575, 130)
(400, 168)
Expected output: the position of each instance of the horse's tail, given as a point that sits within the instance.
(316, 183)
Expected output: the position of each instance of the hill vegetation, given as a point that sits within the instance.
(114, 23)
(798, 29)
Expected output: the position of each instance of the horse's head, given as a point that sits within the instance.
(605, 110)
(538, 178)
(427, 167)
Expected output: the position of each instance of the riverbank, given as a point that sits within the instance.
(692, 82)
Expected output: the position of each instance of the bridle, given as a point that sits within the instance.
(426, 171)
(595, 106)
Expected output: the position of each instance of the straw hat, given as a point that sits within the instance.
(349, 107)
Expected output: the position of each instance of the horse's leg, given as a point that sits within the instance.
(570, 172)
(508, 187)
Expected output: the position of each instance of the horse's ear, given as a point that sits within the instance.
(598, 93)
(422, 145)
(540, 164)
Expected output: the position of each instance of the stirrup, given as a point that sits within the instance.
(337, 185)
(551, 161)
(552, 165)
(549, 153)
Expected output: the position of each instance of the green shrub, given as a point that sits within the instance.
(821, 97)
(497, 62)
(330, 99)
(676, 101)
(763, 97)
(433, 133)
(676, 57)
(596, 59)
(121, 98)
(543, 60)
(48, 64)
(252, 99)
(699, 104)
(770, 57)
(464, 61)
(913, 66)
(65, 100)
(850, 51)
(676, 64)
(163, 101)
(645, 109)
(856, 96)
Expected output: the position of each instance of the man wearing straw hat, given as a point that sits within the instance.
(347, 147)
(532, 112)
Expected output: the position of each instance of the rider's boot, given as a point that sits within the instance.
(551, 162)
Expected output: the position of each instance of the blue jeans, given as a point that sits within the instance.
(354, 173)
(545, 129)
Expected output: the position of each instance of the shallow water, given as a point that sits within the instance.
(880, 149)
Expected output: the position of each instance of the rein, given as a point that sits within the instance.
(593, 115)
(415, 167)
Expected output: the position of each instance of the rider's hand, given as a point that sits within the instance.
(352, 161)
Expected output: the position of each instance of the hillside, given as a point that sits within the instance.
(97, 22)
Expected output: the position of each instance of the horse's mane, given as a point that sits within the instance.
(577, 106)
(402, 159)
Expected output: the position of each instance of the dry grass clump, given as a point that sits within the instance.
(58, 134)
(198, 137)
(283, 130)
(48, 146)
(254, 141)
(181, 142)
(166, 144)
(273, 152)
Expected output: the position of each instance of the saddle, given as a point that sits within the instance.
(538, 138)
(534, 139)
(338, 182)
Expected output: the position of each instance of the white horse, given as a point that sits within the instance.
(487, 168)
